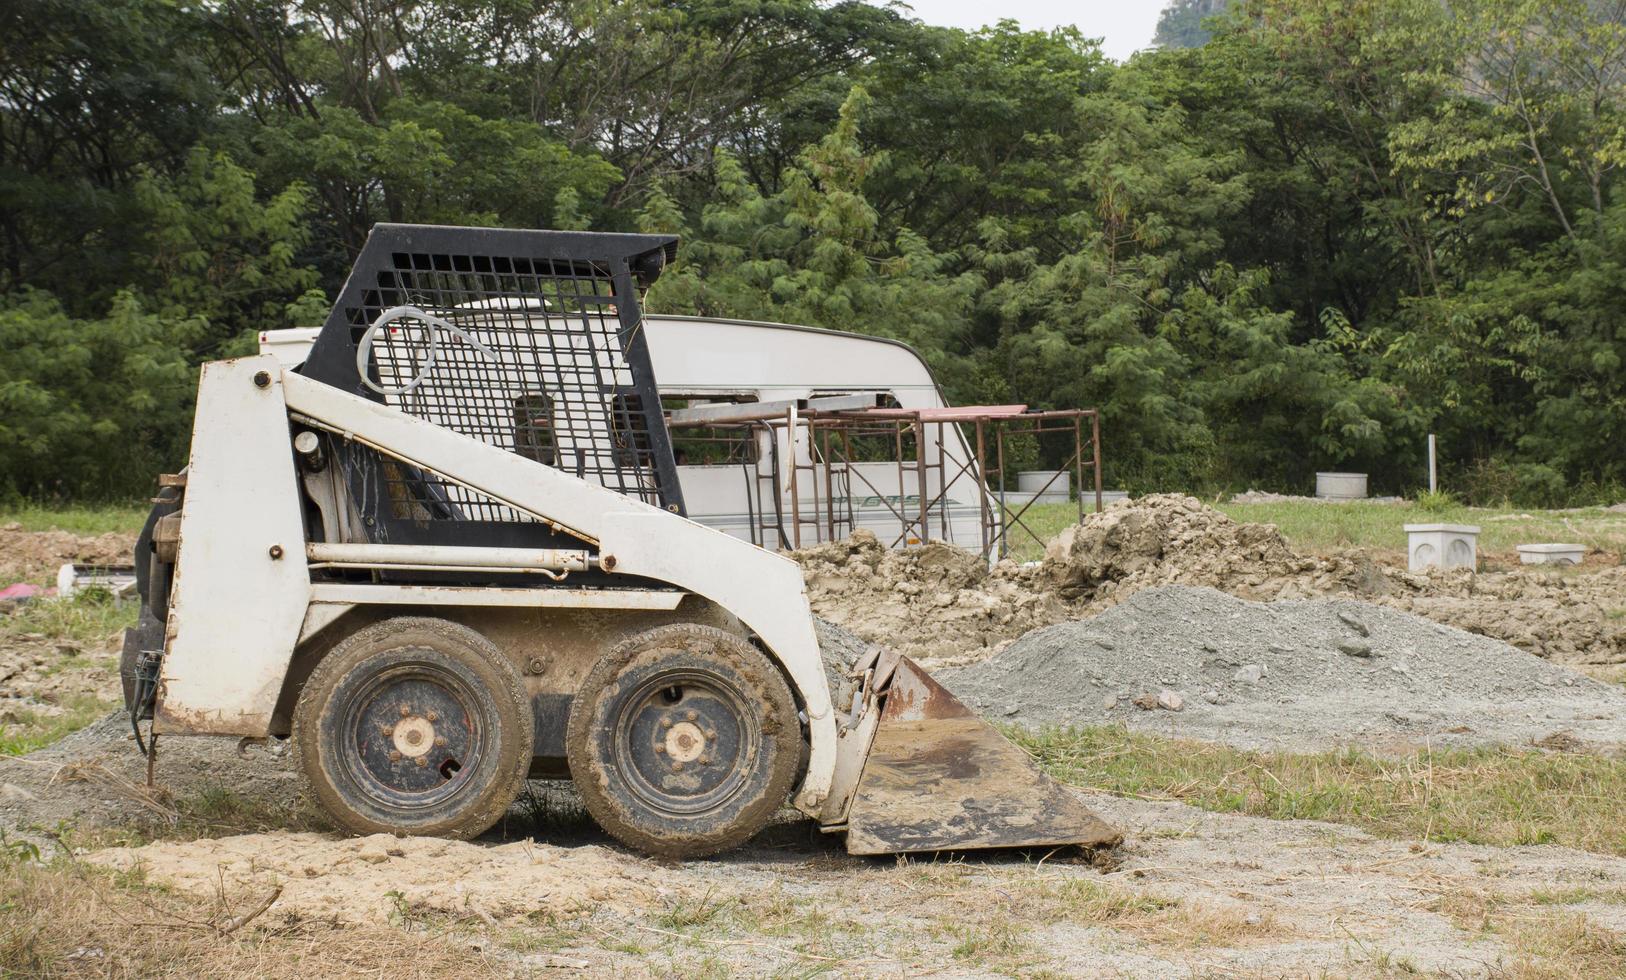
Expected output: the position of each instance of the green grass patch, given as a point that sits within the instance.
(91, 618)
(1320, 527)
(31, 729)
(78, 518)
(1497, 796)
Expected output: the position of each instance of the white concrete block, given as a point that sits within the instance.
(1442, 546)
(1551, 554)
(1044, 486)
(1340, 486)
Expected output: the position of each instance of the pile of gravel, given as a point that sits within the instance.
(1198, 663)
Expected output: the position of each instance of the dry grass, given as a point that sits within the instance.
(64, 919)
(1542, 942)
(989, 921)
(1498, 796)
(1177, 923)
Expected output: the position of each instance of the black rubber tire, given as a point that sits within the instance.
(421, 664)
(737, 781)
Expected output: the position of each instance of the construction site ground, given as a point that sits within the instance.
(1322, 764)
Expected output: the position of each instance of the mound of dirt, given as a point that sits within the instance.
(1571, 617)
(924, 602)
(1197, 662)
(35, 556)
(940, 605)
(370, 879)
(1173, 538)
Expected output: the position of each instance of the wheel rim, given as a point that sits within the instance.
(685, 742)
(412, 736)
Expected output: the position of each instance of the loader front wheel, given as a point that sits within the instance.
(417, 726)
(683, 741)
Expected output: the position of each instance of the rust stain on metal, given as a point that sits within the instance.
(940, 778)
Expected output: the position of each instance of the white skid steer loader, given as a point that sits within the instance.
(449, 552)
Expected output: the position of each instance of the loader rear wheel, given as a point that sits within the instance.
(417, 726)
(683, 741)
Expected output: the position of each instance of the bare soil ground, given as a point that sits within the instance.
(230, 872)
(1191, 893)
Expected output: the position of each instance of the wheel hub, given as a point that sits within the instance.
(414, 737)
(409, 734)
(686, 742)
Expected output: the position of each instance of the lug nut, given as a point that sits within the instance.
(389, 731)
(431, 716)
(677, 767)
(422, 761)
(692, 714)
(660, 748)
(440, 740)
(405, 711)
(395, 757)
(705, 760)
(666, 723)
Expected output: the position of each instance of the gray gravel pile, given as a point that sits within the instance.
(1303, 674)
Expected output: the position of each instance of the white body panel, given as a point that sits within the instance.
(226, 658)
(238, 613)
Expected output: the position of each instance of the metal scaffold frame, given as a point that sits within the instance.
(816, 502)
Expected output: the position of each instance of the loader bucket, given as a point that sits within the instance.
(939, 778)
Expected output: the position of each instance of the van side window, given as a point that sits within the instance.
(711, 445)
(873, 442)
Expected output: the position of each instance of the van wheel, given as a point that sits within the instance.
(683, 741)
(416, 726)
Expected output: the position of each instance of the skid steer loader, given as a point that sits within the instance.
(449, 552)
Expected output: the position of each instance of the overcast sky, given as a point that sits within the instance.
(1126, 25)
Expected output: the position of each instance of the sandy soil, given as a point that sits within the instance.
(1191, 892)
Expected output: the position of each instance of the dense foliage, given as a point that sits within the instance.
(1308, 242)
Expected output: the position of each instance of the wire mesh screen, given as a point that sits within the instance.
(406, 493)
(512, 338)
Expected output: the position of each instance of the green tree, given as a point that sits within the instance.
(816, 253)
(91, 406)
(1182, 23)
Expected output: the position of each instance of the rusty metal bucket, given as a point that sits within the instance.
(938, 778)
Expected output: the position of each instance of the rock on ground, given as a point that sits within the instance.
(1287, 674)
